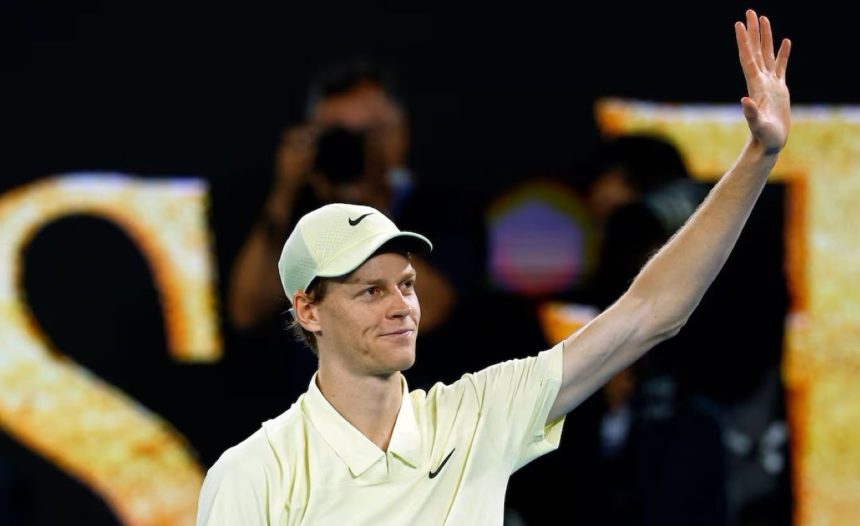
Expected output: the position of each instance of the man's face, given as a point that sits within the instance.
(369, 321)
(368, 109)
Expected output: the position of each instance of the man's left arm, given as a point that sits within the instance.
(670, 286)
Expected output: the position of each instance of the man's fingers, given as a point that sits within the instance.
(754, 37)
(744, 50)
(782, 58)
(767, 43)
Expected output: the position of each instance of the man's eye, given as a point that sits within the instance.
(409, 284)
(371, 291)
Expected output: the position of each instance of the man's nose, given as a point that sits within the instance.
(399, 307)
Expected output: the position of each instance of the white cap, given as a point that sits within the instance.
(334, 240)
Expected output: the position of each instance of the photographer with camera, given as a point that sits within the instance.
(352, 149)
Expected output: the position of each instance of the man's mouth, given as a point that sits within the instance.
(398, 332)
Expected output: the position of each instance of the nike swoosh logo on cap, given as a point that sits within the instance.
(357, 220)
(442, 465)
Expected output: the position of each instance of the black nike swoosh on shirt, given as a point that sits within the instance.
(357, 220)
(442, 465)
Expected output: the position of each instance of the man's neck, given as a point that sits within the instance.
(369, 403)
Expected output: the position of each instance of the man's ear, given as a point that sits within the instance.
(305, 311)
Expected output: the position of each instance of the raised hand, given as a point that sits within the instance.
(767, 107)
(294, 157)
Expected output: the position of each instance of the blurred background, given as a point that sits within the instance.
(155, 156)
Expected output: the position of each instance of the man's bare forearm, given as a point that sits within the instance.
(675, 279)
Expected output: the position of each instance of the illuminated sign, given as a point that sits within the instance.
(135, 460)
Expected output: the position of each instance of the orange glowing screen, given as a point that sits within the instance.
(134, 459)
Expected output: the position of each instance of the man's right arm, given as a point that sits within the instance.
(670, 286)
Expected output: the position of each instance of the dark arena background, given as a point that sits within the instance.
(138, 148)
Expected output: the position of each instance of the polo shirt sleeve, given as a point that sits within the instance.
(516, 397)
(236, 491)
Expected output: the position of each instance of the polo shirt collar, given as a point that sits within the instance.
(406, 439)
(356, 450)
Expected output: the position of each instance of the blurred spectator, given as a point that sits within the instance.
(639, 192)
(352, 148)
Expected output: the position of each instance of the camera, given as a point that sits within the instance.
(341, 155)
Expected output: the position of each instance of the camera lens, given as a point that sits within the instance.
(340, 155)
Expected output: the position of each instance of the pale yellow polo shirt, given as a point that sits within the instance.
(451, 454)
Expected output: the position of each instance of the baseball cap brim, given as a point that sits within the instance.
(353, 257)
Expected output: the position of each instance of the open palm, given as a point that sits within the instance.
(767, 105)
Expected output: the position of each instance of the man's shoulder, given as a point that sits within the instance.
(257, 466)
(508, 374)
(267, 446)
(457, 395)
(287, 422)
